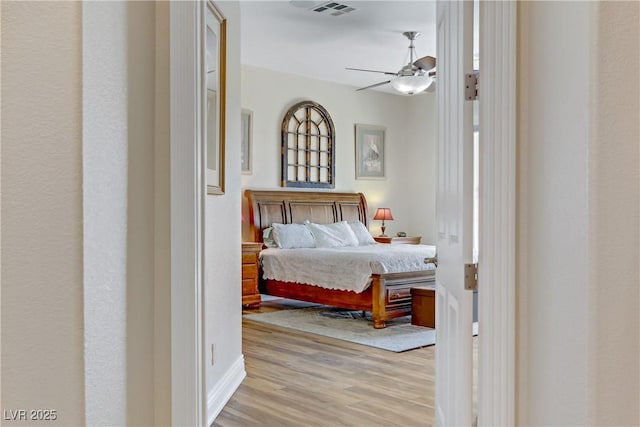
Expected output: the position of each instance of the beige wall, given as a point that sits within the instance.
(162, 201)
(85, 307)
(614, 207)
(409, 187)
(420, 161)
(42, 273)
(88, 183)
(578, 202)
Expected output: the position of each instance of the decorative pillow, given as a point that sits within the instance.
(333, 235)
(362, 234)
(267, 238)
(291, 236)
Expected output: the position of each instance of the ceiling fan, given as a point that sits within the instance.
(415, 77)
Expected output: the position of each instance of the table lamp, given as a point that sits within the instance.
(383, 214)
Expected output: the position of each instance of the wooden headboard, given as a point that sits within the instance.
(295, 207)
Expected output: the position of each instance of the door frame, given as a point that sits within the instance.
(497, 234)
(496, 315)
(188, 189)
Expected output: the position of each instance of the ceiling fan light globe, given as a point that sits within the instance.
(410, 85)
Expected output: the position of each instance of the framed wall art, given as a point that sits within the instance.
(246, 148)
(370, 151)
(213, 71)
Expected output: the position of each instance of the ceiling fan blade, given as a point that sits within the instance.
(374, 85)
(373, 71)
(425, 63)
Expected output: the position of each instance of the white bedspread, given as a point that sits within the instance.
(345, 268)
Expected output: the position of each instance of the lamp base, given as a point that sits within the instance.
(382, 229)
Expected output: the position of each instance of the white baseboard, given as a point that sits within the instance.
(222, 392)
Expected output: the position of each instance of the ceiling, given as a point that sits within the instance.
(288, 36)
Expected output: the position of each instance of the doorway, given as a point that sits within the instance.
(507, 140)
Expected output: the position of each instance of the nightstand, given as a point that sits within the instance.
(409, 240)
(250, 293)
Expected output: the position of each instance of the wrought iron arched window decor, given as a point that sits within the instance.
(308, 135)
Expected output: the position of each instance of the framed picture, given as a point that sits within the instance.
(246, 122)
(213, 72)
(370, 158)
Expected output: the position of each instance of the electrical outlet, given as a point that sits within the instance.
(213, 354)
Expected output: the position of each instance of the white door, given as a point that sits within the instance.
(454, 214)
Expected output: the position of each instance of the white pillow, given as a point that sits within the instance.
(267, 238)
(291, 236)
(362, 234)
(333, 235)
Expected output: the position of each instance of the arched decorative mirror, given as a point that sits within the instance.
(308, 136)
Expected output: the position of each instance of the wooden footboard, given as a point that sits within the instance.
(392, 294)
(388, 296)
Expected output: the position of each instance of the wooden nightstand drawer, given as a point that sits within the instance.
(249, 258)
(248, 286)
(249, 271)
(250, 274)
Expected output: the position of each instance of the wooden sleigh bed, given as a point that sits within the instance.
(388, 296)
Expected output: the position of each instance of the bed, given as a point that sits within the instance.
(387, 296)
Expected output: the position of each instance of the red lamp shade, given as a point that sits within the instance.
(383, 214)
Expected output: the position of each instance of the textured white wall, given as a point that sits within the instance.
(119, 217)
(223, 311)
(105, 211)
(42, 286)
(578, 209)
(409, 187)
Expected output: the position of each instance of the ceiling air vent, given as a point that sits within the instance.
(333, 8)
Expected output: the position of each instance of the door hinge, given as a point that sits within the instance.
(471, 85)
(471, 277)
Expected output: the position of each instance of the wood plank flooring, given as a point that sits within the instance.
(299, 379)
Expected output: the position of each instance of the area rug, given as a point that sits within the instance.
(349, 325)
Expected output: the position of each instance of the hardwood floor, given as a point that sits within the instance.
(299, 379)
